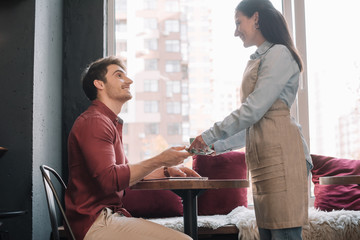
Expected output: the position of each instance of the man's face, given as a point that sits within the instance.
(117, 86)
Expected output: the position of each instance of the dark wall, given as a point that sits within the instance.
(17, 26)
(83, 43)
(44, 46)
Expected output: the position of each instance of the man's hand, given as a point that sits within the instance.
(181, 171)
(153, 167)
(173, 156)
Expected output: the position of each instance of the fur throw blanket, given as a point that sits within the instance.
(335, 225)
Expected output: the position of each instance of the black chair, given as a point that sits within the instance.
(4, 235)
(50, 194)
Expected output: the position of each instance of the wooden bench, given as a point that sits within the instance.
(228, 232)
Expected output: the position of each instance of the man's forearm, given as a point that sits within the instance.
(140, 170)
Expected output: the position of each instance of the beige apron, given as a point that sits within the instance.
(276, 160)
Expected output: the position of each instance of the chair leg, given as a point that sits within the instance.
(4, 235)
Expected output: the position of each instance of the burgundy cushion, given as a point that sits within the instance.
(335, 197)
(152, 203)
(230, 165)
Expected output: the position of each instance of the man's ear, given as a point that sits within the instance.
(256, 17)
(98, 84)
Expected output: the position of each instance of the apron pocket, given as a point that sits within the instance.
(273, 171)
(261, 157)
(270, 185)
(268, 176)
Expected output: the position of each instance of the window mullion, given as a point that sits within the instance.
(300, 31)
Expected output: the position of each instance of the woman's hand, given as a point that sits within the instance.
(198, 144)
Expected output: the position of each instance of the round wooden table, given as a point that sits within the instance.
(2, 151)
(188, 190)
(340, 180)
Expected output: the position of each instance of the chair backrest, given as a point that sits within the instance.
(51, 193)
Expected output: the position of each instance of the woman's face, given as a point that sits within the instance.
(246, 29)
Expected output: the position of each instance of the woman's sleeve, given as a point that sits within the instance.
(275, 70)
(236, 141)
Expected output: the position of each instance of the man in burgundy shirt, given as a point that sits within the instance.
(98, 168)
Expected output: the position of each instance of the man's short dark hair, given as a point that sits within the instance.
(97, 71)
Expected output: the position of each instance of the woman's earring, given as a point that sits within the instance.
(257, 26)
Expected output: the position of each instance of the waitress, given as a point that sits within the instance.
(276, 152)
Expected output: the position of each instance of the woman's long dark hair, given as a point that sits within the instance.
(272, 24)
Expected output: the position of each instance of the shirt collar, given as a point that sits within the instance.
(107, 111)
(262, 49)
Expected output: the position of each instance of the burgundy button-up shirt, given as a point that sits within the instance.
(98, 170)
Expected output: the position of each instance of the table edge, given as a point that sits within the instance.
(192, 184)
(339, 180)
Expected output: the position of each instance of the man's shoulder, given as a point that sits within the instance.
(91, 117)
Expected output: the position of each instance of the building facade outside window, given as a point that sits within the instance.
(172, 26)
(172, 66)
(172, 45)
(150, 4)
(151, 64)
(121, 26)
(173, 107)
(151, 106)
(172, 6)
(151, 85)
(174, 129)
(152, 129)
(151, 44)
(172, 87)
(150, 24)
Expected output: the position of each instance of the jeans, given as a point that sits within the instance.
(281, 234)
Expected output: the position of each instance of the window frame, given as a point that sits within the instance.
(294, 13)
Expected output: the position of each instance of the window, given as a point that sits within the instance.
(172, 26)
(121, 26)
(191, 82)
(125, 108)
(150, 4)
(151, 85)
(125, 129)
(172, 87)
(150, 24)
(151, 44)
(151, 106)
(174, 129)
(152, 129)
(151, 64)
(172, 5)
(121, 46)
(126, 149)
(172, 45)
(172, 66)
(333, 71)
(121, 6)
(173, 107)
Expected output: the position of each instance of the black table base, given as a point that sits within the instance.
(189, 198)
